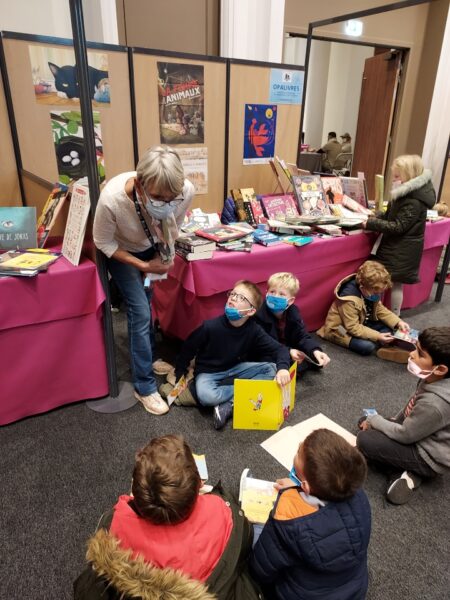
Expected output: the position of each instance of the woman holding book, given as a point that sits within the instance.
(135, 226)
(399, 247)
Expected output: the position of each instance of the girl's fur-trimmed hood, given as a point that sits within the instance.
(406, 188)
(136, 578)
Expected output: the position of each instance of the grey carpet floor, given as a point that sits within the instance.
(59, 471)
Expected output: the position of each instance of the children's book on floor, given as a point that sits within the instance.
(406, 339)
(283, 445)
(257, 498)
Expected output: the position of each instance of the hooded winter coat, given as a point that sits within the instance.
(114, 574)
(403, 228)
(347, 314)
(317, 556)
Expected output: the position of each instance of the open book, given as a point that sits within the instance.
(257, 498)
(283, 445)
(406, 339)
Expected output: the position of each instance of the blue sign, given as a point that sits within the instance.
(286, 87)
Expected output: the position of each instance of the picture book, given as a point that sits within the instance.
(200, 461)
(263, 404)
(17, 227)
(298, 240)
(406, 339)
(239, 204)
(332, 188)
(354, 206)
(333, 230)
(257, 498)
(281, 164)
(192, 256)
(310, 197)
(50, 213)
(355, 188)
(283, 445)
(25, 264)
(242, 245)
(197, 219)
(76, 222)
(284, 227)
(279, 207)
(266, 238)
(179, 387)
(193, 243)
(221, 233)
(249, 199)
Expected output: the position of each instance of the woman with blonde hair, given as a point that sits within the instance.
(135, 226)
(399, 247)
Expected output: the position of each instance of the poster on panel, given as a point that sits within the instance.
(259, 133)
(195, 165)
(286, 86)
(55, 79)
(181, 103)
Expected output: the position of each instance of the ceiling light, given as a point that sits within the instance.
(354, 28)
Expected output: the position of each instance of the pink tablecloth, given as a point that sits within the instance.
(51, 340)
(196, 291)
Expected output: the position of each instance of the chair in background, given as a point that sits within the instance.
(343, 164)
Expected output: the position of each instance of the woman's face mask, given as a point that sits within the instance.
(156, 208)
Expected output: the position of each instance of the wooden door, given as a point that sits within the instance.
(376, 110)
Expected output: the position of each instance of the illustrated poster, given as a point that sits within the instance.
(181, 103)
(17, 227)
(67, 132)
(55, 78)
(259, 133)
(286, 87)
(195, 165)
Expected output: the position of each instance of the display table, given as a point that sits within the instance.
(197, 290)
(310, 161)
(51, 339)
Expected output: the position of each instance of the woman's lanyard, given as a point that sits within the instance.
(141, 218)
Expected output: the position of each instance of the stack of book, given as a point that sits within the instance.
(190, 247)
(26, 263)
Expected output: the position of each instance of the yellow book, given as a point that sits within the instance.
(28, 260)
(262, 404)
(257, 499)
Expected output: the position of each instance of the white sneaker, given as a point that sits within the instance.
(161, 367)
(153, 403)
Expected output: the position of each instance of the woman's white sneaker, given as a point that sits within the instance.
(153, 403)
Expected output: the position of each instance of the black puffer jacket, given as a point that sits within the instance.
(403, 228)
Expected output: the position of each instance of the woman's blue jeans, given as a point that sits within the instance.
(130, 282)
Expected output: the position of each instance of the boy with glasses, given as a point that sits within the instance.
(224, 348)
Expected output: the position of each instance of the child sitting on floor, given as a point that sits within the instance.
(167, 541)
(281, 319)
(314, 544)
(417, 440)
(224, 349)
(357, 318)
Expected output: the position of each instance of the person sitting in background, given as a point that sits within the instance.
(346, 144)
(331, 149)
(281, 319)
(314, 544)
(357, 318)
(417, 440)
(166, 540)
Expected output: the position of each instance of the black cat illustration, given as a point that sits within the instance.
(66, 79)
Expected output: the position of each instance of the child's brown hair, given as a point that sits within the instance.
(333, 468)
(165, 480)
(256, 297)
(372, 274)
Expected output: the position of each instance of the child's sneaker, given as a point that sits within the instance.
(401, 489)
(397, 355)
(153, 403)
(222, 414)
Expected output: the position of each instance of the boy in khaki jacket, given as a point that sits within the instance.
(357, 318)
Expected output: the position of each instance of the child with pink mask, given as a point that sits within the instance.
(416, 442)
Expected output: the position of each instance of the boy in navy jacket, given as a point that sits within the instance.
(314, 545)
(281, 319)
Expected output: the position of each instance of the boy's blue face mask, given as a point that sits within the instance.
(232, 313)
(294, 478)
(276, 303)
(373, 297)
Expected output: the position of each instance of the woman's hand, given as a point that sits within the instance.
(155, 265)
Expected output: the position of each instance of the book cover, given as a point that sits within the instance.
(284, 444)
(355, 188)
(354, 206)
(191, 256)
(262, 404)
(199, 220)
(222, 233)
(333, 230)
(298, 240)
(310, 197)
(193, 243)
(239, 204)
(242, 245)
(50, 213)
(249, 197)
(25, 263)
(279, 207)
(406, 339)
(257, 498)
(332, 189)
(17, 227)
(266, 238)
(76, 222)
(200, 461)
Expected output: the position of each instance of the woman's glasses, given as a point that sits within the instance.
(158, 201)
(238, 298)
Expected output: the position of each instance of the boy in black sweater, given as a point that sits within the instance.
(223, 349)
(281, 319)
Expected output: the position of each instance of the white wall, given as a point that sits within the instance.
(316, 92)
